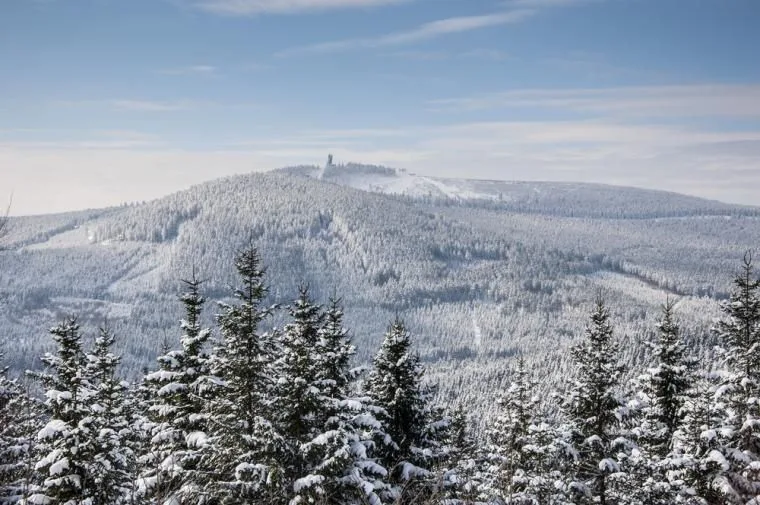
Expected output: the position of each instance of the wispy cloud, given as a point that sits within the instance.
(148, 106)
(423, 32)
(706, 162)
(725, 100)
(473, 54)
(253, 7)
(190, 70)
(133, 105)
(536, 4)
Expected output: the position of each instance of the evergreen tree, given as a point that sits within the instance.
(298, 398)
(522, 463)
(739, 330)
(19, 423)
(461, 442)
(417, 429)
(111, 457)
(63, 443)
(334, 352)
(698, 466)
(328, 433)
(242, 457)
(508, 436)
(154, 436)
(177, 392)
(462, 478)
(665, 388)
(593, 411)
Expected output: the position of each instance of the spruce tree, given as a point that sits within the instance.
(462, 477)
(63, 445)
(110, 472)
(739, 331)
(298, 398)
(328, 433)
(522, 462)
(176, 406)
(593, 411)
(19, 424)
(665, 386)
(508, 435)
(334, 352)
(155, 438)
(665, 389)
(242, 457)
(698, 467)
(417, 429)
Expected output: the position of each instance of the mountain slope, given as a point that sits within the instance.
(476, 280)
(553, 198)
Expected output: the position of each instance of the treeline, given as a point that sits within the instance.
(247, 416)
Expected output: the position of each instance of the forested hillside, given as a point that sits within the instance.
(235, 413)
(478, 277)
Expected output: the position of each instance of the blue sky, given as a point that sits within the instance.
(111, 101)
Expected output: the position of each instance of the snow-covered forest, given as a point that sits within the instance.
(480, 271)
(235, 414)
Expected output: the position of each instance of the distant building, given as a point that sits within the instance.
(329, 160)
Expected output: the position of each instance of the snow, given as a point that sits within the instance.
(52, 429)
(410, 471)
(39, 499)
(608, 465)
(718, 458)
(309, 481)
(172, 388)
(196, 439)
(59, 466)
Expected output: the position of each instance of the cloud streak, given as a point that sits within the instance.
(190, 70)
(423, 32)
(255, 7)
(724, 100)
(669, 157)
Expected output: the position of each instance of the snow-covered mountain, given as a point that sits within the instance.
(481, 270)
(545, 197)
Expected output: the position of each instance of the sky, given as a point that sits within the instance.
(111, 101)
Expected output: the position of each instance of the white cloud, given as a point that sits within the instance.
(139, 105)
(190, 70)
(253, 7)
(426, 31)
(534, 4)
(642, 101)
(112, 166)
(147, 106)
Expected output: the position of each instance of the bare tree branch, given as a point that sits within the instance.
(4, 220)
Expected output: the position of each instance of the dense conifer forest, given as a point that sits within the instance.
(245, 412)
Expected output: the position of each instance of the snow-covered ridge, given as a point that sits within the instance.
(554, 198)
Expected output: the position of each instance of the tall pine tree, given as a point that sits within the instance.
(177, 392)
(698, 467)
(417, 429)
(19, 423)
(330, 432)
(739, 331)
(111, 456)
(63, 444)
(593, 411)
(242, 457)
(665, 388)
(508, 436)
